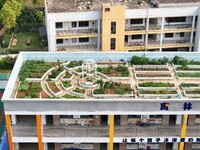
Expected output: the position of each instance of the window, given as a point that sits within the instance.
(136, 37)
(59, 25)
(176, 19)
(83, 40)
(107, 9)
(74, 24)
(182, 34)
(169, 35)
(83, 24)
(134, 116)
(113, 27)
(112, 43)
(59, 41)
(136, 21)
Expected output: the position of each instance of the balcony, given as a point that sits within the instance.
(131, 30)
(153, 44)
(154, 29)
(134, 45)
(74, 48)
(176, 43)
(103, 131)
(177, 28)
(74, 33)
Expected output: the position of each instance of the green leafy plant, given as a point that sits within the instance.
(66, 84)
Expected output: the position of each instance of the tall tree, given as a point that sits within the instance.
(9, 13)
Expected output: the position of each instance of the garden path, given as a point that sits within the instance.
(176, 81)
(133, 80)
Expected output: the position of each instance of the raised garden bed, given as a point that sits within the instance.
(150, 69)
(156, 84)
(66, 84)
(33, 69)
(29, 90)
(78, 90)
(119, 71)
(73, 64)
(53, 87)
(56, 72)
(189, 75)
(67, 96)
(190, 85)
(67, 75)
(113, 88)
(157, 92)
(152, 75)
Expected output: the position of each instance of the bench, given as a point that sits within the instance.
(28, 42)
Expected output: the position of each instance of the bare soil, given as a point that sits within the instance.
(153, 75)
(53, 87)
(21, 94)
(44, 95)
(151, 69)
(155, 92)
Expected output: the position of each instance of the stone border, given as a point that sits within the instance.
(112, 95)
(191, 95)
(78, 94)
(85, 86)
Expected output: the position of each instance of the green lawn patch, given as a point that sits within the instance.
(22, 40)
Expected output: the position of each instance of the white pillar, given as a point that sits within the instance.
(147, 28)
(197, 38)
(178, 119)
(44, 120)
(175, 146)
(45, 146)
(16, 145)
(161, 35)
(99, 34)
(14, 119)
(192, 33)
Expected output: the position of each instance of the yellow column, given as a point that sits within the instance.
(183, 130)
(39, 131)
(8, 127)
(111, 132)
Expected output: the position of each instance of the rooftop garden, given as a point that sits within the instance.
(111, 71)
(107, 79)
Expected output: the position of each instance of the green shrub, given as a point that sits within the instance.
(136, 60)
(189, 85)
(33, 66)
(67, 96)
(23, 86)
(155, 84)
(6, 40)
(125, 74)
(192, 75)
(66, 84)
(73, 64)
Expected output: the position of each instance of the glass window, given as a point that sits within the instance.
(59, 41)
(59, 25)
(169, 35)
(136, 37)
(136, 21)
(83, 40)
(112, 43)
(83, 24)
(74, 24)
(107, 9)
(113, 27)
(182, 34)
(175, 19)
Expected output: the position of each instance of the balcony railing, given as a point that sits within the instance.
(179, 41)
(134, 28)
(72, 48)
(154, 27)
(139, 43)
(183, 26)
(103, 131)
(76, 32)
